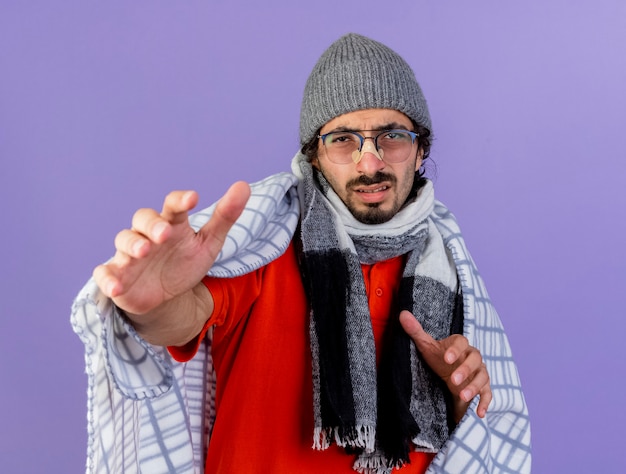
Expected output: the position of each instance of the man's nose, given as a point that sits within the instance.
(369, 160)
(367, 147)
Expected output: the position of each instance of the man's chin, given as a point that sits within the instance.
(373, 214)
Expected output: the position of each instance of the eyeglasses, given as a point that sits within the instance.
(346, 147)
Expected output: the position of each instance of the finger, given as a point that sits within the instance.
(472, 363)
(485, 400)
(476, 385)
(132, 243)
(458, 345)
(177, 205)
(106, 280)
(414, 329)
(108, 276)
(227, 211)
(151, 224)
(232, 204)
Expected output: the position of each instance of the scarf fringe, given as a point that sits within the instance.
(424, 445)
(362, 437)
(375, 463)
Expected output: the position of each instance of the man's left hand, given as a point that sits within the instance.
(460, 365)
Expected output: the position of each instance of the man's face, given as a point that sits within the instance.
(373, 190)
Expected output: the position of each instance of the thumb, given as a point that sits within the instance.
(227, 211)
(233, 202)
(433, 351)
(414, 329)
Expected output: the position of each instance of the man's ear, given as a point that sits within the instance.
(420, 158)
(315, 163)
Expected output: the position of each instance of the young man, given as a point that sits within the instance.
(332, 315)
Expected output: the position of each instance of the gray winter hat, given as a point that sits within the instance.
(357, 73)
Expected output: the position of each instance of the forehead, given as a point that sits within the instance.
(368, 119)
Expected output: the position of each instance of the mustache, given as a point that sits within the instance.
(364, 180)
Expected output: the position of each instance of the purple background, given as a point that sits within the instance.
(106, 106)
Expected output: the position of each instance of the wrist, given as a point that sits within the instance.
(176, 321)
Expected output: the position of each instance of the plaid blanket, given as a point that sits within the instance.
(148, 413)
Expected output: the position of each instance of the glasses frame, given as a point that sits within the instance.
(414, 136)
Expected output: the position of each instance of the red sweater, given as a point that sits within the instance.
(262, 360)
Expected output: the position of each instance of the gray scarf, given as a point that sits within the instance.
(375, 413)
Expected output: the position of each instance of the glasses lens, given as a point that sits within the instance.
(396, 144)
(340, 146)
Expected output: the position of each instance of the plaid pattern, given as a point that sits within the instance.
(148, 413)
(263, 231)
(500, 442)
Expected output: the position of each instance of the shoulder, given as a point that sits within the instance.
(446, 222)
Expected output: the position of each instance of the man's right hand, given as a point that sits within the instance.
(161, 258)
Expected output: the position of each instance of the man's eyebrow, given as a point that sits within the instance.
(386, 126)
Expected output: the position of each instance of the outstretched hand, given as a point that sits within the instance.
(161, 257)
(459, 365)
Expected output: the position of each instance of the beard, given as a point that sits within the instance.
(373, 214)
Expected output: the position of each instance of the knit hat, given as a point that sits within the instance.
(357, 73)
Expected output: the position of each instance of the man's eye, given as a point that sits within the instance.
(392, 136)
(396, 135)
(339, 138)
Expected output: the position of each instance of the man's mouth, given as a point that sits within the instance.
(373, 190)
